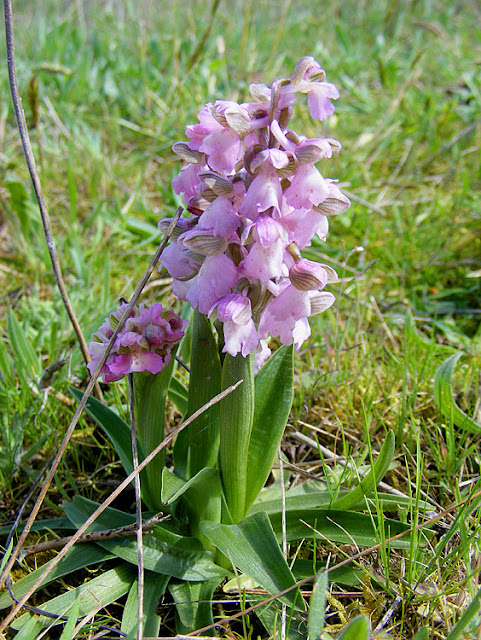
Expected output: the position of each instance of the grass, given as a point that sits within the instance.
(110, 92)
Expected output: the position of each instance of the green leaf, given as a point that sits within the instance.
(92, 595)
(28, 364)
(54, 524)
(83, 555)
(273, 401)
(150, 392)
(236, 415)
(165, 551)
(154, 588)
(311, 494)
(253, 548)
(116, 429)
(193, 605)
(368, 483)
(30, 630)
(317, 606)
(344, 575)
(357, 629)
(67, 633)
(197, 446)
(443, 397)
(202, 498)
(348, 527)
(179, 395)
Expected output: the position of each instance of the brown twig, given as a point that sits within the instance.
(94, 536)
(73, 423)
(30, 160)
(91, 519)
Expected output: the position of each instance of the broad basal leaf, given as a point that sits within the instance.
(253, 548)
(98, 592)
(348, 527)
(165, 551)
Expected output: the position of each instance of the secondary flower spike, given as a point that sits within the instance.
(144, 344)
(256, 198)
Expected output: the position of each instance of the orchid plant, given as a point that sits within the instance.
(254, 199)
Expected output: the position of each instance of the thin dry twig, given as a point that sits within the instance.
(73, 423)
(125, 483)
(30, 160)
(94, 536)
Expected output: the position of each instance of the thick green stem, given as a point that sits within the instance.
(236, 415)
(197, 446)
(150, 391)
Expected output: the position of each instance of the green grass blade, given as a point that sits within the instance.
(444, 400)
(28, 364)
(375, 476)
(67, 633)
(317, 606)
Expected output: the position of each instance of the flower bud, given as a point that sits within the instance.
(306, 275)
(260, 92)
(238, 119)
(183, 150)
(320, 302)
(333, 204)
(307, 69)
(220, 186)
(197, 205)
(181, 227)
(204, 242)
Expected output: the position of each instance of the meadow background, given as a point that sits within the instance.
(107, 88)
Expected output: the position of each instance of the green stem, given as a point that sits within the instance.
(150, 391)
(236, 415)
